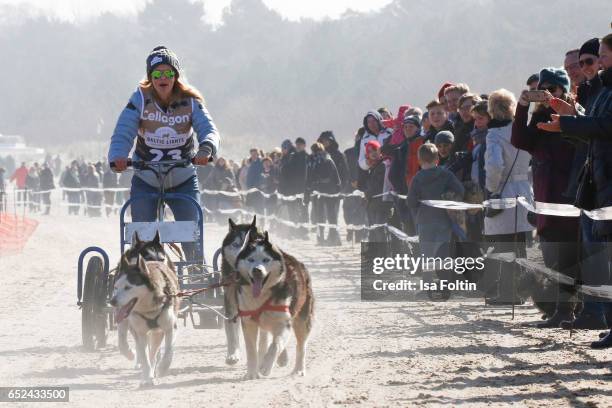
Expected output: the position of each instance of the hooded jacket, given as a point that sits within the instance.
(381, 137)
(339, 159)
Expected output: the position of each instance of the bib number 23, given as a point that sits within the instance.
(173, 154)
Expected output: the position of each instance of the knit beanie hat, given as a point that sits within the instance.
(287, 145)
(444, 136)
(555, 76)
(590, 47)
(162, 55)
(414, 119)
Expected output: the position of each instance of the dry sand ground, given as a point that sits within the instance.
(363, 354)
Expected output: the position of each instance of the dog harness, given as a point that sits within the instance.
(152, 323)
(266, 307)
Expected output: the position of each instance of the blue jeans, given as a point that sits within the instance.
(145, 209)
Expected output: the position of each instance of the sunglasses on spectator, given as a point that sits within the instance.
(158, 74)
(551, 88)
(587, 61)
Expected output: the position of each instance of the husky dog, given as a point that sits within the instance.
(231, 247)
(150, 251)
(144, 294)
(275, 293)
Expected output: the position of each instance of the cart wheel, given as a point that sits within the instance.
(93, 319)
(100, 313)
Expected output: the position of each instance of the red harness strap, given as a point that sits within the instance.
(266, 307)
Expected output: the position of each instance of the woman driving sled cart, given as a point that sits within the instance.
(162, 115)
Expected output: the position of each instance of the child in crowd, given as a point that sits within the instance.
(432, 182)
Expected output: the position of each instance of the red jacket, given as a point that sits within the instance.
(412, 164)
(20, 177)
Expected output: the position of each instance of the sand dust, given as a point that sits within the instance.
(360, 354)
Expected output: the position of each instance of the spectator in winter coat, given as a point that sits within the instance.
(379, 210)
(451, 98)
(354, 206)
(33, 187)
(596, 127)
(2, 171)
(93, 197)
(438, 118)
(425, 124)
(46, 185)
(479, 134)
(328, 140)
(586, 94)
(551, 175)
(19, 176)
(71, 181)
(292, 182)
(398, 135)
(374, 130)
(322, 176)
(465, 123)
(572, 67)
(456, 162)
(432, 182)
(404, 167)
(254, 199)
(506, 177)
(221, 178)
(110, 181)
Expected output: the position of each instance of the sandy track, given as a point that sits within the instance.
(366, 354)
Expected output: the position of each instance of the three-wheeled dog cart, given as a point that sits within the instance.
(95, 282)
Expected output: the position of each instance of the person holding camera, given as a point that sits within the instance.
(506, 170)
(595, 186)
(551, 176)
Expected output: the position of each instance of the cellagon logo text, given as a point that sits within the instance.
(165, 119)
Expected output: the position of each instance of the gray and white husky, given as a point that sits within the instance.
(151, 251)
(144, 295)
(274, 295)
(230, 248)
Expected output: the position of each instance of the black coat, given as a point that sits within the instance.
(596, 127)
(322, 175)
(46, 180)
(431, 135)
(375, 182)
(292, 174)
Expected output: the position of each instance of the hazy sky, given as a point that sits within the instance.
(292, 9)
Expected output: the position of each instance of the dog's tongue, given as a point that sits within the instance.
(256, 286)
(124, 311)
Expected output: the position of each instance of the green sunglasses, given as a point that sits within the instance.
(158, 74)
